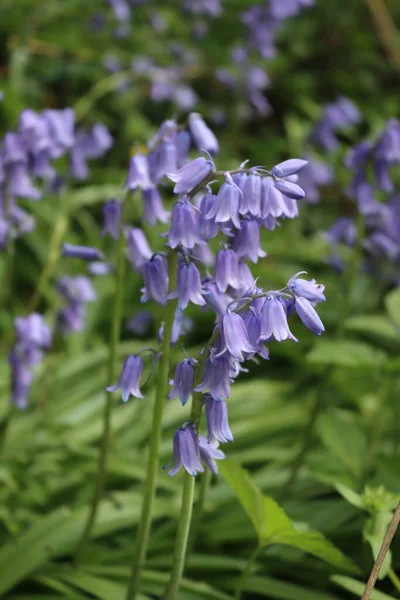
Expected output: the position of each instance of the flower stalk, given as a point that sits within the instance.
(154, 448)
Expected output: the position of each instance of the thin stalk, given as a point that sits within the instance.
(394, 579)
(114, 339)
(382, 553)
(185, 515)
(154, 449)
(204, 485)
(245, 575)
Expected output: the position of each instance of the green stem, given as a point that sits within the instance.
(394, 579)
(185, 515)
(115, 334)
(154, 449)
(204, 485)
(245, 575)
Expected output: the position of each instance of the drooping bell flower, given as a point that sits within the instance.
(203, 137)
(209, 453)
(216, 377)
(289, 189)
(234, 336)
(186, 451)
(155, 275)
(251, 203)
(310, 290)
(188, 287)
(246, 242)
(82, 252)
(153, 208)
(217, 419)
(138, 174)
(112, 212)
(191, 175)
(309, 316)
(184, 228)
(274, 325)
(129, 380)
(138, 250)
(227, 270)
(288, 167)
(226, 205)
(33, 330)
(78, 289)
(183, 380)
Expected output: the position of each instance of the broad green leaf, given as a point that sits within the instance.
(351, 496)
(357, 587)
(248, 494)
(345, 353)
(344, 439)
(378, 327)
(101, 588)
(392, 303)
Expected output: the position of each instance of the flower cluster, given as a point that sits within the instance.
(33, 335)
(370, 164)
(247, 316)
(28, 154)
(336, 116)
(77, 291)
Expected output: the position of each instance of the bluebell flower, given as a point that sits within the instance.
(208, 228)
(33, 330)
(216, 299)
(99, 268)
(19, 182)
(153, 208)
(234, 336)
(216, 377)
(78, 289)
(316, 174)
(382, 175)
(251, 202)
(112, 212)
(140, 323)
(188, 287)
(274, 325)
(310, 290)
(138, 174)
(289, 189)
(226, 206)
(182, 142)
(155, 275)
(183, 380)
(203, 137)
(71, 318)
(253, 322)
(129, 380)
(217, 419)
(184, 228)
(138, 250)
(61, 125)
(209, 453)
(288, 167)
(165, 158)
(309, 316)
(186, 451)
(191, 175)
(272, 204)
(21, 381)
(246, 242)
(343, 230)
(82, 252)
(227, 270)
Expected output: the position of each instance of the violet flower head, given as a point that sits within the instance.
(71, 318)
(153, 208)
(183, 380)
(217, 419)
(203, 137)
(112, 212)
(274, 325)
(155, 275)
(251, 198)
(129, 380)
(76, 289)
(184, 228)
(309, 316)
(21, 381)
(226, 206)
(209, 453)
(138, 250)
(82, 252)
(191, 175)
(227, 270)
(288, 167)
(310, 290)
(234, 336)
(186, 451)
(33, 330)
(208, 228)
(289, 189)
(246, 242)
(216, 377)
(61, 126)
(188, 287)
(138, 174)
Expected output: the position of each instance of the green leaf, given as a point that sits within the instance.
(357, 587)
(248, 494)
(392, 303)
(350, 495)
(281, 590)
(345, 440)
(345, 353)
(378, 327)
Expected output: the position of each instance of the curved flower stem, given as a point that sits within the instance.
(154, 449)
(243, 579)
(114, 339)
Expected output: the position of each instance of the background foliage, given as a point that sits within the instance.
(316, 543)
